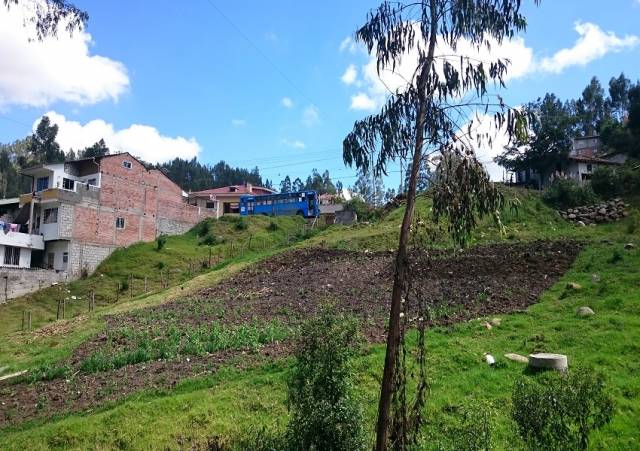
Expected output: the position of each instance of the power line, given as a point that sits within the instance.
(257, 49)
(15, 121)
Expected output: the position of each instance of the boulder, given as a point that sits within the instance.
(585, 311)
(548, 361)
(487, 326)
(517, 358)
(629, 246)
(572, 216)
(574, 286)
(602, 211)
(581, 224)
(495, 322)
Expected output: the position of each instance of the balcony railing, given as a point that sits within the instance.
(18, 239)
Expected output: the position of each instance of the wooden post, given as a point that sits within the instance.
(231, 255)
(58, 311)
(29, 317)
(24, 320)
(209, 256)
(64, 308)
(250, 237)
(131, 286)
(145, 284)
(118, 292)
(6, 288)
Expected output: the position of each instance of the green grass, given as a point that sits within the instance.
(229, 401)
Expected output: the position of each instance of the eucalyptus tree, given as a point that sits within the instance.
(433, 113)
(49, 14)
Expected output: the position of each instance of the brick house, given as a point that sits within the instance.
(225, 200)
(84, 209)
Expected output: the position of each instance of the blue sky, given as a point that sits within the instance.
(209, 77)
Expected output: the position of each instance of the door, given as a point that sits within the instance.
(50, 258)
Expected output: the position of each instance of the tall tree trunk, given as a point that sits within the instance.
(402, 266)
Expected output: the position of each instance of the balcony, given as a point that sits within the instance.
(81, 191)
(25, 240)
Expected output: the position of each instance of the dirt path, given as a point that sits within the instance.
(285, 289)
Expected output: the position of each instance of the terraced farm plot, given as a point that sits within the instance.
(253, 315)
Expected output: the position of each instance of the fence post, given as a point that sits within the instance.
(29, 316)
(6, 288)
(118, 292)
(64, 308)
(131, 286)
(145, 284)
(24, 320)
(58, 311)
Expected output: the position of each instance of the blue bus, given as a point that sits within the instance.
(303, 203)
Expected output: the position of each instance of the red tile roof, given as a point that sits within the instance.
(233, 189)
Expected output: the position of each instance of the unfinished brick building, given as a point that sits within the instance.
(84, 209)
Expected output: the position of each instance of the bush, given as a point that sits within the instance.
(208, 240)
(610, 182)
(272, 227)
(241, 224)
(471, 429)
(558, 411)
(324, 411)
(160, 242)
(567, 193)
(364, 211)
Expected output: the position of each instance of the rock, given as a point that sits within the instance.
(495, 322)
(548, 361)
(595, 278)
(602, 211)
(629, 246)
(581, 224)
(585, 311)
(487, 326)
(572, 216)
(489, 359)
(517, 358)
(574, 286)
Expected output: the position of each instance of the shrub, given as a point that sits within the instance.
(272, 227)
(203, 227)
(160, 242)
(160, 265)
(471, 429)
(558, 411)
(241, 224)
(567, 193)
(208, 240)
(364, 211)
(610, 182)
(324, 411)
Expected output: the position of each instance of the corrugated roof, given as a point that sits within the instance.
(233, 189)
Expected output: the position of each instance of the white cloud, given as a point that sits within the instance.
(362, 101)
(142, 141)
(35, 73)
(287, 102)
(350, 75)
(311, 116)
(238, 122)
(485, 152)
(349, 45)
(295, 143)
(593, 43)
(271, 37)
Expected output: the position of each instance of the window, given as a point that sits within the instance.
(11, 255)
(589, 168)
(211, 204)
(92, 182)
(68, 184)
(119, 223)
(51, 216)
(42, 183)
(126, 164)
(65, 257)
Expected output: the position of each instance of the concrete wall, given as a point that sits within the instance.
(171, 227)
(86, 257)
(24, 281)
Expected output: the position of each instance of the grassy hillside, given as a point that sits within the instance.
(182, 259)
(226, 402)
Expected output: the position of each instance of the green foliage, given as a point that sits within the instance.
(48, 372)
(616, 257)
(241, 224)
(272, 227)
(609, 182)
(324, 411)
(471, 428)
(364, 211)
(567, 193)
(160, 242)
(208, 240)
(558, 411)
(203, 227)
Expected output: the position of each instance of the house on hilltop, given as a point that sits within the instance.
(225, 200)
(585, 157)
(80, 211)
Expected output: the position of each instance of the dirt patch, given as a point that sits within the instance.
(286, 289)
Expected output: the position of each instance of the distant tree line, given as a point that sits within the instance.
(613, 115)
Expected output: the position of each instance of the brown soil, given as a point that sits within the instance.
(287, 288)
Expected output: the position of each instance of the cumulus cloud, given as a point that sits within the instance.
(142, 141)
(295, 143)
(593, 43)
(311, 116)
(238, 122)
(362, 101)
(35, 73)
(348, 44)
(287, 102)
(350, 75)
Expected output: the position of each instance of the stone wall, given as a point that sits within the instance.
(172, 227)
(86, 257)
(19, 282)
(612, 210)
